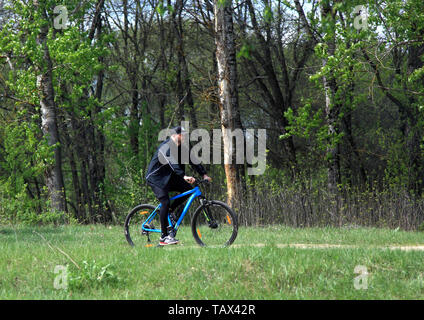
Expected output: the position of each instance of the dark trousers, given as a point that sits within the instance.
(176, 183)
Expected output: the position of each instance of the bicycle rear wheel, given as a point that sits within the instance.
(133, 222)
(214, 224)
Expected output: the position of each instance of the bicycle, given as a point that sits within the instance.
(214, 223)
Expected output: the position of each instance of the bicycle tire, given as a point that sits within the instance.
(207, 235)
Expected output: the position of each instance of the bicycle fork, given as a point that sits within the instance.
(208, 216)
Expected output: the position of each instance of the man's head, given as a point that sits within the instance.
(178, 135)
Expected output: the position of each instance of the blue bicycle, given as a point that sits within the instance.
(214, 223)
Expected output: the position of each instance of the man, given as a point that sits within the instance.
(166, 173)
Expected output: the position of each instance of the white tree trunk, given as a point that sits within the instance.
(227, 92)
(53, 174)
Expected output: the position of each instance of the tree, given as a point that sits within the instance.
(227, 93)
(396, 61)
(49, 127)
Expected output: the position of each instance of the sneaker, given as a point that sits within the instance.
(168, 240)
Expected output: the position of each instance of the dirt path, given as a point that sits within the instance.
(419, 247)
(335, 246)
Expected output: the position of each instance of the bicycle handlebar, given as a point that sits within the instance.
(198, 182)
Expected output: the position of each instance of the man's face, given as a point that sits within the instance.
(179, 138)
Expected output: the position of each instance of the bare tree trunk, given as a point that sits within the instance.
(81, 151)
(53, 174)
(164, 67)
(227, 93)
(333, 149)
(185, 95)
(70, 152)
(332, 110)
(134, 127)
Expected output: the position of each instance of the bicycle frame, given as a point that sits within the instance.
(195, 192)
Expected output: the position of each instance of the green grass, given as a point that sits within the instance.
(186, 271)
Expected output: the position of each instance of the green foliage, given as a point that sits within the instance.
(245, 51)
(377, 125)
(162, 9)
(24, 159)
(268, 14)
(17, 207)
(338, 51)
(92, 275)
(75, 64)
(306, 124)
(224, 3)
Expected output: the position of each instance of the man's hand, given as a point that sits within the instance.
(189, 179)
(206, 177)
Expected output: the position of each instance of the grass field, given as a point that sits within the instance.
(101, 265)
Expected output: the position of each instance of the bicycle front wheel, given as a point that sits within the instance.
(214, 224)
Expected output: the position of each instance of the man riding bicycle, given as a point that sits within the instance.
(166, 173)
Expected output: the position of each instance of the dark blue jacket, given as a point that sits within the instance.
(165, 163)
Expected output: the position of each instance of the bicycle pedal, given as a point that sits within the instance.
(147, 226)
